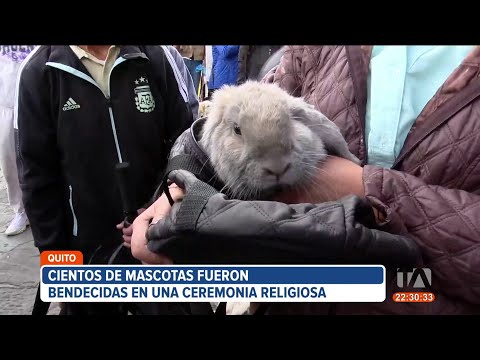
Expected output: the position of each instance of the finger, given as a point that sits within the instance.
(146, 215)
(127, 239)
(157, 259)
(119, 226)
(182, 178)
(127, 245)
(162, 205)
(178, 193)
(128, 231)
(139, 244)
(139, 227)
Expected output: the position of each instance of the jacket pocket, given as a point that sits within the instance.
(75, 222)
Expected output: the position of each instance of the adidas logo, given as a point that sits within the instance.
(70, 105)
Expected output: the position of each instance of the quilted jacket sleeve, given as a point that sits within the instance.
(444, 223)
(288, 74)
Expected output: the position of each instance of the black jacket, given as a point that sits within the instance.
(207, 227)
(70, 136)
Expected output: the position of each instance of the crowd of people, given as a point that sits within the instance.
(75, 115)
(211, 67)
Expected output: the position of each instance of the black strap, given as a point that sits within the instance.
(189, 163)
(192, 205)
(197, 196)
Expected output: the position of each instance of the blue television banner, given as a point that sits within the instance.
(190, 283)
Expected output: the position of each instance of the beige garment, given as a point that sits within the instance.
(98, 69)
(194, 52)
(204, 108)
(238, 308)
(235, 307)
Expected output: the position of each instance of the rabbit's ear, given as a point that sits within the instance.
(221, 105)
(299, 109)
(231, 114)
(324, 128)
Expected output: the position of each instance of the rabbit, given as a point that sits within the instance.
(260, 139)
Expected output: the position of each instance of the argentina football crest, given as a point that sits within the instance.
(143, 96)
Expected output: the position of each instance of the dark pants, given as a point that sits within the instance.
(191, 66)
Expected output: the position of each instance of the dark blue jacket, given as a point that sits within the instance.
(225, 66)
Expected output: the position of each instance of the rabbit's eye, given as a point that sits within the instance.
(237, 129)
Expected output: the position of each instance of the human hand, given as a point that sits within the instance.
(127, 230)
(335, 178)
(159, 209)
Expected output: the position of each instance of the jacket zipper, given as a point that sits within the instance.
(75, 222)
(110, 110)
(89, 79)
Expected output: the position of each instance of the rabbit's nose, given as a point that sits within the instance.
(277, 169)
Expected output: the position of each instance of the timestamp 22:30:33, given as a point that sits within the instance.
(419, 297)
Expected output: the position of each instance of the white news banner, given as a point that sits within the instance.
(179, 283)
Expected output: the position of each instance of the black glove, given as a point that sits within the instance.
(208, 228)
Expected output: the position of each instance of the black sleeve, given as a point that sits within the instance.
(178, 112)
(38, 160)
(242, 64)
